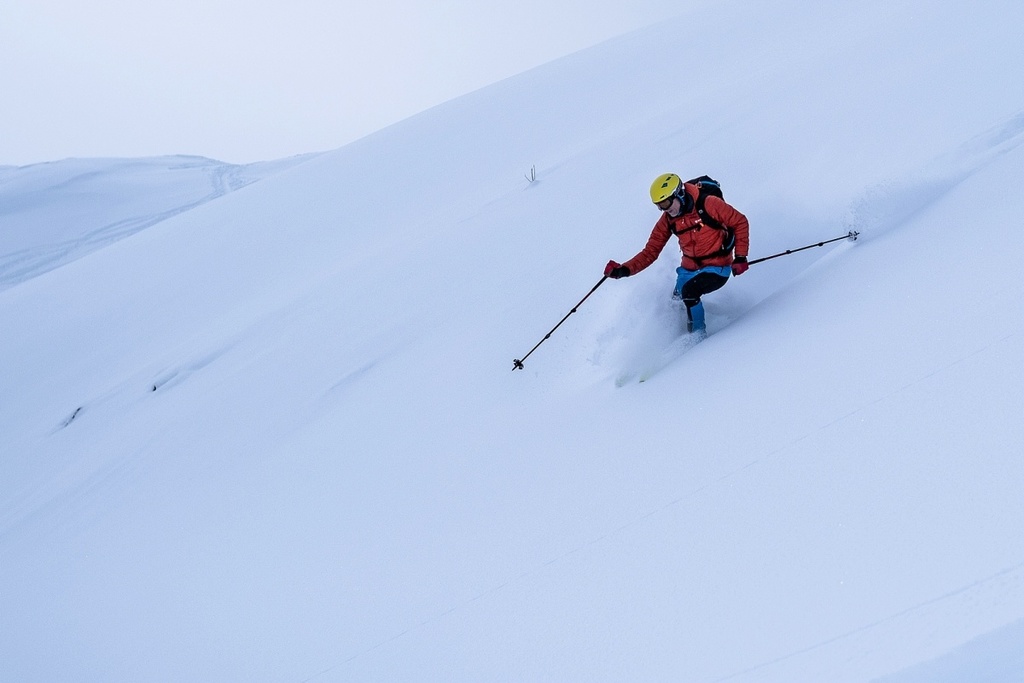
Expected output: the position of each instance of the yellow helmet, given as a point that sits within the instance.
(665, 186)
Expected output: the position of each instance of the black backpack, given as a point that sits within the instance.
(708, 187)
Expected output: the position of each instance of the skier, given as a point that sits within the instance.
(707, 236)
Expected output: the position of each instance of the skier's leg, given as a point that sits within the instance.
(691, 285)
(694, 316)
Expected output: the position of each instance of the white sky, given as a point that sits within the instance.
(248, 80)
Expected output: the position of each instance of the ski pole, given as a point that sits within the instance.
(852, 236)
(517, 364)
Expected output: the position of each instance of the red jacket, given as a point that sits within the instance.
(697, 240)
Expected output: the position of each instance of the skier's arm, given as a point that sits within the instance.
(655, 243)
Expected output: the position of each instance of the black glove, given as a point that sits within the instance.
(616, 270)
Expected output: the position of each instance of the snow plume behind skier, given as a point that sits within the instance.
(713, 237)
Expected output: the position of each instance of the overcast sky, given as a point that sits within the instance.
(248, 80)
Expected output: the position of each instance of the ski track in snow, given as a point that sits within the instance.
(892, 203)
(1002, 589)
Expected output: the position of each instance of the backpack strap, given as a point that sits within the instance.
(707, 219)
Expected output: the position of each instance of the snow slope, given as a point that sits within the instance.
(56, 212)
(277, 436)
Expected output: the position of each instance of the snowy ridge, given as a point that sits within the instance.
(276, 436)
(56, 212)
